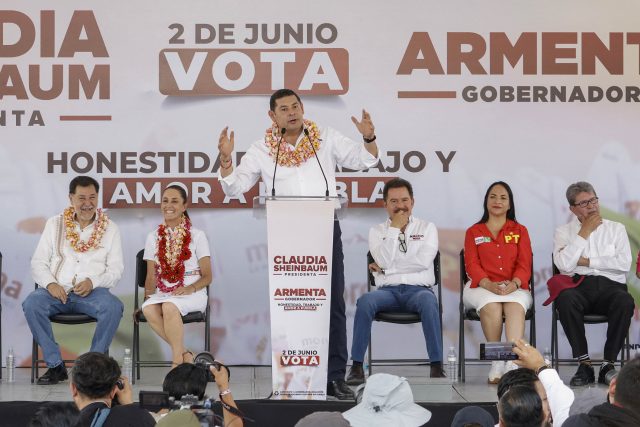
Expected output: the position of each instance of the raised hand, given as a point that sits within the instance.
(365, 125)
(589, 224)
(225, 144)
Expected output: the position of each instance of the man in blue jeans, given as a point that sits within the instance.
(403, 248)
(78, 258)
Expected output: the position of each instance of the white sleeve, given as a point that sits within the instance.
(244, 176)
(567, 249)
(41, 259)
(202, 245)
(150, 247)
(350, 154)
(384, 246)
(560, 396)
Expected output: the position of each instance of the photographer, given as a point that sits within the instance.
(189, 379)
(559, 396)
(95, 382)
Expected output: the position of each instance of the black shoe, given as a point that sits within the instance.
(607, 373)
(340, 390)
(437, 371)
(356, 375)
(585, 375)
(54, 375)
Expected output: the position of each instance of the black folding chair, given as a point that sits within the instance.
(473, 315)
(589, 319)
(64, 319)
(403, 317)
(192, 317)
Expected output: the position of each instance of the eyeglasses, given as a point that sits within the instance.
(583, 204)
(403, 242)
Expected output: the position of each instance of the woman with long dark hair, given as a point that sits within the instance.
(497, 256)
(178, 272)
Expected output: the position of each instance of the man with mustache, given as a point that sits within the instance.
(77, 261)
(598, 250)
(293, 141)
(403, 249)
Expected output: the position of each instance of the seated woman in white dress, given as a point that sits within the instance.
(178, 272)
(497, 257)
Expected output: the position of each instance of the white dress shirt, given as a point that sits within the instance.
(55, 261)
(607, 248)
(304, 180)
(559, 396)
(415, 267)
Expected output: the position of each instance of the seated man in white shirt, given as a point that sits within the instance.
(78, 258)
(598, 250)
(403, 248)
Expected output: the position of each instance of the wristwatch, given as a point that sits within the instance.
(542, 368)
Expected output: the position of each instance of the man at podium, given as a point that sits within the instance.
(293, 141)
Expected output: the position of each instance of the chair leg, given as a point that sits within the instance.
(554, 338)
(136, 352)
(207, 337)
(461, 352)
(34, 360)
(627, 348)
(369, 351)
(133, 357)
(532, 329)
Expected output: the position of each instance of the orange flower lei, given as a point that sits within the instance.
(292, 156)
(99, 228)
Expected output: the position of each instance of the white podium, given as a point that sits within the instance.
(300, 248)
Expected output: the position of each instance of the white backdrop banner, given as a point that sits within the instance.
(135, 94)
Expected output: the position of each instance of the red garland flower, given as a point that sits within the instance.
(170, 265)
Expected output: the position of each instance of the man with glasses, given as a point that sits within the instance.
(403, 249)
(598, 251)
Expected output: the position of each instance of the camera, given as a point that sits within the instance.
(155, 400)
(205, 360)
(497, 351)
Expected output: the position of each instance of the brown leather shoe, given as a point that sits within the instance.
(437, 371)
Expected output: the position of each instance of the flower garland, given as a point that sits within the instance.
(72, 235)
(172, 251)
(290, 156)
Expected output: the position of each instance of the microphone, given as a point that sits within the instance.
(326, 183)
(273, 184)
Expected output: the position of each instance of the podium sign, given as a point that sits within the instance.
(300, 247)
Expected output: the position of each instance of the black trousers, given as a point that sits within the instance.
(596, 295)
(338, 320)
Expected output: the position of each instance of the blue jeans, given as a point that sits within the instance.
(99, 304)
(418, 299)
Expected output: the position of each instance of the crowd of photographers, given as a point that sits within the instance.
(531, 396)
(102, 397)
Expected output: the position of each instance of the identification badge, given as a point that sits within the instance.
(481, 240)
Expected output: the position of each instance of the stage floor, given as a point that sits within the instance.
(249, 382)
